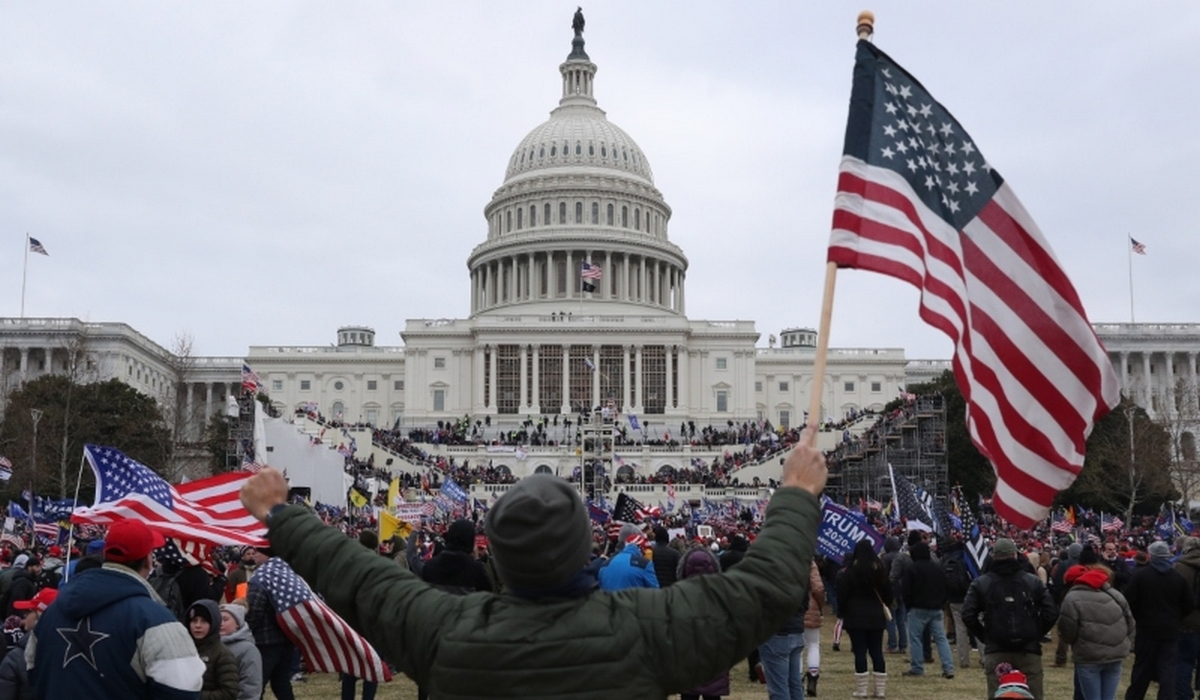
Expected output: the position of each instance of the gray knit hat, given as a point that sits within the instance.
(1160, 550)
(539, 532)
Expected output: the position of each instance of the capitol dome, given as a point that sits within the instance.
(578, 217)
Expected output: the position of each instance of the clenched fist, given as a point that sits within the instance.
(264, 491)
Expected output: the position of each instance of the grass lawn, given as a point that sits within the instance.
(837, 680)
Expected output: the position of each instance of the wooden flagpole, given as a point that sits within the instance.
(865, 27)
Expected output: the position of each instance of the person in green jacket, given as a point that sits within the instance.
(553, 634)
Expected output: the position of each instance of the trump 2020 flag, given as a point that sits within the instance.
(326, 640)
(916, 200)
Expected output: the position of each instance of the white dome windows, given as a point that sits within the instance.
(595, 212)
(546, 214)
(579, 212)
(562, 212)
(609, 218)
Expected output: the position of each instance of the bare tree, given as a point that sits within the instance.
(79, 367)
(1181, 421)
(184, 417)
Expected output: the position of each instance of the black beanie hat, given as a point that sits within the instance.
(460, 536)
(1088, 556)
(539, 532)
(369, 539)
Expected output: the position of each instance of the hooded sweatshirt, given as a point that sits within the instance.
(1095, 618)
(221, 677)
(249, 661)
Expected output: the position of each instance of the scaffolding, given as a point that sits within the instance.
(596, 451)
(240, 441)
(911, 439)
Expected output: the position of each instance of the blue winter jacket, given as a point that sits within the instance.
(628, 569)
(108, 636)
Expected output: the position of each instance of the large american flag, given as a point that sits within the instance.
(917, 201)
(207, 510)
(250, 380)
(326, 640)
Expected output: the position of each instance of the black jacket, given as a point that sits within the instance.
(1160, 599)
(860, 588)
(24, 587)
(666, 561)
(974, 610)
(924, 584)
(457, 572)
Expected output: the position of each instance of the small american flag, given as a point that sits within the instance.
(1111, 523)
(250, 380)
(328, 643)
(592, 272)
(1059, 523)
(35, 246)
(1139, 248)
(207, 510)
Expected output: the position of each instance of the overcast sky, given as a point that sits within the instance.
(262, 173)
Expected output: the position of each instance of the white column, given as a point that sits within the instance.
(670, 403)
(522, 398)
(492, 378)
(1125, 375)
(477, 380)
(566, 379)
(536, 389)
(624, 402)
(682, 296)
(572, 276)
(1192, 369)
(207, 401)
(512, 279)
(1170, 392)
(685, 384)
(1147, 391)
(187, 413)
(24, 363)
(595, 377)
(608, 281)
(642, 296)
(639, 372)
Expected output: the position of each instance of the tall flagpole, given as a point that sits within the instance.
(24, 274)
(1129, 254)
(865, 28)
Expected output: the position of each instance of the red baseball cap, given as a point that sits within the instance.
(130, 540)
(40, 602)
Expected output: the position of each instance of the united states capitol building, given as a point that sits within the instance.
(578, 299)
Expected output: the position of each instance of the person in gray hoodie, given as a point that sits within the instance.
(236, 635)
(1096, 621)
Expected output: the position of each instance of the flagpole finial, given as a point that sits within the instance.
(866, 24)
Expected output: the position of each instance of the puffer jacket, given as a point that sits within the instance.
(1188, 566)
(143, 644)
(249, 661)
(635, 644)
(1094, 617)
(14, 681)
(816, 599)
(221, 676)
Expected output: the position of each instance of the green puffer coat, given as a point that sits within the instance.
(636, 643)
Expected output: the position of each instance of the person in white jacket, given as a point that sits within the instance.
(236, 635)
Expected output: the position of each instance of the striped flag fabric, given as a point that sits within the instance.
(328, 643)
(6, 468)
(35, 246)
(627, 509)
(589, 276)
(978, 549)
(1137, 247)
(1059, 523)
(916, 512)
(917, 201)
(250, 380)
(206, 510)
(1110, 523)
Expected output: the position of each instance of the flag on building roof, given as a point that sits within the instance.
(35, 246)
(1135, 246)
(206, 510)
(329, 644)
(917, 201)
(250, 380)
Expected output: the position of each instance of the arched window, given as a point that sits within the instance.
(508, 216)
(553, 150)
(579, 212)
(591, 149)
(603, 151)
(595, 212)
(637, 220)
(562, 212)
(522, 156)
(546, 215)
(609, 219)
(542, 152)
(624, 155)
(532, 215)
(520, 218)
(624, 217)
(578, 148)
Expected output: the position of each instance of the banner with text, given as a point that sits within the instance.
(841, 529)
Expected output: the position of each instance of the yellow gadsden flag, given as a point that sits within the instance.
(357, 499)
(394, 493)
(390, 526)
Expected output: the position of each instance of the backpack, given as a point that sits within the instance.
(1011, 617)
(958, 579)
(167, 587)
